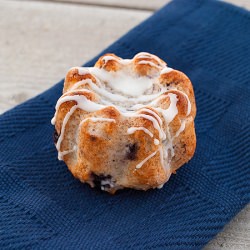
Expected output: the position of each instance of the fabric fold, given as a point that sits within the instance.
(43, 206)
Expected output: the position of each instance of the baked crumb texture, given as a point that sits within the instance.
(125, 123)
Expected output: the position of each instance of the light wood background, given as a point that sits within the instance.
(41, 40)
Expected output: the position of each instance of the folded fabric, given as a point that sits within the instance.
(43, 206)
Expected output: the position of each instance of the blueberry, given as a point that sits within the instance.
(101, 180)
(55, 136)
(132, 150)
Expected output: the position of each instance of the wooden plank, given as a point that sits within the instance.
(40, 41)
(235, 235)
(129, 4)
(240, 3)
(142, 4)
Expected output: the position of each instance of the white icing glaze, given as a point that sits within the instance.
(181, 129)
(168, 145)
(152, 113)
(126, 61)
(166, 70)
(126, 92)
(189, 104)
(149, 63)
(65, 120)
(115, 97)
(146, 159)
(122, 82)
(65, 98)
(109, 58)
(131, 130)
(156, 125)
(156, 141)
(137, 106)
(160, 186)
(79, 84)
(170, 113)
(82, 102)
(73, 90)
(97, 119)
(142, 55)
(81, 70)
(61, 154)
(161, 156)
(101, 91)
(165, 163)
(67, 116)
(53, 120)
(157, 100)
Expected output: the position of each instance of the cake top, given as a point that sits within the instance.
(127, 84)
(137, 88)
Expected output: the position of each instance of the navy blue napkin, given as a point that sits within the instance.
(43, 206)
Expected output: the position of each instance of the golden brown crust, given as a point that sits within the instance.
(73, 77)
(110, 65)
(180, 81)
(150, 69)
(96, 144)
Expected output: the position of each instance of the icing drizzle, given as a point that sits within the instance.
(146, 159)
(126, 92)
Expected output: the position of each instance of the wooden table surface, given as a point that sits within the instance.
(41, 40)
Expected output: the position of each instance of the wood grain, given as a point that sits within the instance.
(129, 4)
(240, 3)
(40, 41)
(235, 235)
(138, 5)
